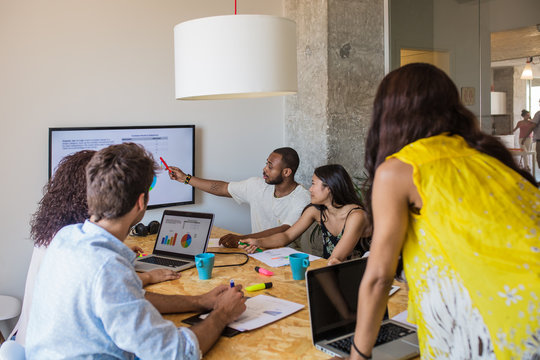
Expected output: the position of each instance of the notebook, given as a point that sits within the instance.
(333, 299)
(181, 236)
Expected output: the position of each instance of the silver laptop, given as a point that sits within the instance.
(181, 236)
(333, 299)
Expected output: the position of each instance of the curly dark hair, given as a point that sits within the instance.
(64, 200)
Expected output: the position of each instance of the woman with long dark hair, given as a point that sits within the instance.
(465, 219)
(338, 210)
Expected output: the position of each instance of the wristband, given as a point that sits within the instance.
(188, 177)
(359, 352)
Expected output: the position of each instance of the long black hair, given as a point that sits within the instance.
(418, 101)
(339, 182)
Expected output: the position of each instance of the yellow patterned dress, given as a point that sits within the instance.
(472, 255)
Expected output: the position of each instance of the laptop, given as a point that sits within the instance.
(333, 299)
(181, 236)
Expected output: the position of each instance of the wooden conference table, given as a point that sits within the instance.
(288, 338)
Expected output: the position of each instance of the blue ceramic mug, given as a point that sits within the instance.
(204, 263)
(299, 264)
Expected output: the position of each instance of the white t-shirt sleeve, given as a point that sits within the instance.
(241, 191)
(301, 198)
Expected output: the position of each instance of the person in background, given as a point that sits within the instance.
(525, 127)
(464, 217)
(339, 212)
(276, 200)
(63, 203)
(536, 134)
(91, 302)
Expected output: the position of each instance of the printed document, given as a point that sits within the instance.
(278, 257)
(262, 310)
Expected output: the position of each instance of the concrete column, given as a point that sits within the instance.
(340, 64)
(503, 80)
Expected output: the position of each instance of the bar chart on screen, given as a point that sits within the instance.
(169, 240)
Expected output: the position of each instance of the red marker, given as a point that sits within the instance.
(164, 163)
(260, 270)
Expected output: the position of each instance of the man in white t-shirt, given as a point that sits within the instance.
(276, 201)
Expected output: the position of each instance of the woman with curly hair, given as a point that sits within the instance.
(464, 218)
(64, 203)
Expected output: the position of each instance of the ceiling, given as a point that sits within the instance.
(514, 46)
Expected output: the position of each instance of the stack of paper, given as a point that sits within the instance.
(278, 257)
(262, 310)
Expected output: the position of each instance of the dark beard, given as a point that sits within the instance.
(276, 181)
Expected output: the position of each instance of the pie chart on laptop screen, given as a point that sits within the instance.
(186, 240)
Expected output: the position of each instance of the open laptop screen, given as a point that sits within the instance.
(333, 298)
(183, 233)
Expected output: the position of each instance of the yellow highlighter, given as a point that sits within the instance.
(260, 286)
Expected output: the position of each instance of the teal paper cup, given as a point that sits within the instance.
(299, 264)
(204, 263)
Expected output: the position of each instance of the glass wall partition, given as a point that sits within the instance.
(463, 38)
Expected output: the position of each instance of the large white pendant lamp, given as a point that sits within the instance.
(235, 56)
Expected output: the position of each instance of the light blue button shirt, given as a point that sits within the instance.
(89, 303)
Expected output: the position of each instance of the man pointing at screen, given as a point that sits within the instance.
(276, 200)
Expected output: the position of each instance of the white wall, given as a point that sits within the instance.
(100, 63)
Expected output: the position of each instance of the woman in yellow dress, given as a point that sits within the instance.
(465, 219)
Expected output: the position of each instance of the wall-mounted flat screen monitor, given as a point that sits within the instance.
(174, 143)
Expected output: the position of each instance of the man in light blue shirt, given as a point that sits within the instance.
(89, 302)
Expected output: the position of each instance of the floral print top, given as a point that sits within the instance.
(472, 254)
(330, 241)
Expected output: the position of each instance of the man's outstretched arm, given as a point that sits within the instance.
(215, 187)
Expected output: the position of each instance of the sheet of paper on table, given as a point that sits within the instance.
(278, 257)
(213, 242)
(263, 310)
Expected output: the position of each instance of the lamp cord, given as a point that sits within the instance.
(231, 253)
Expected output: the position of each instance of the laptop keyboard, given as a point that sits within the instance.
(163, 261)
(388, 332)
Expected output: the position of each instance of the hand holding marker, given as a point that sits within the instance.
(164, 163)
(246, 244)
